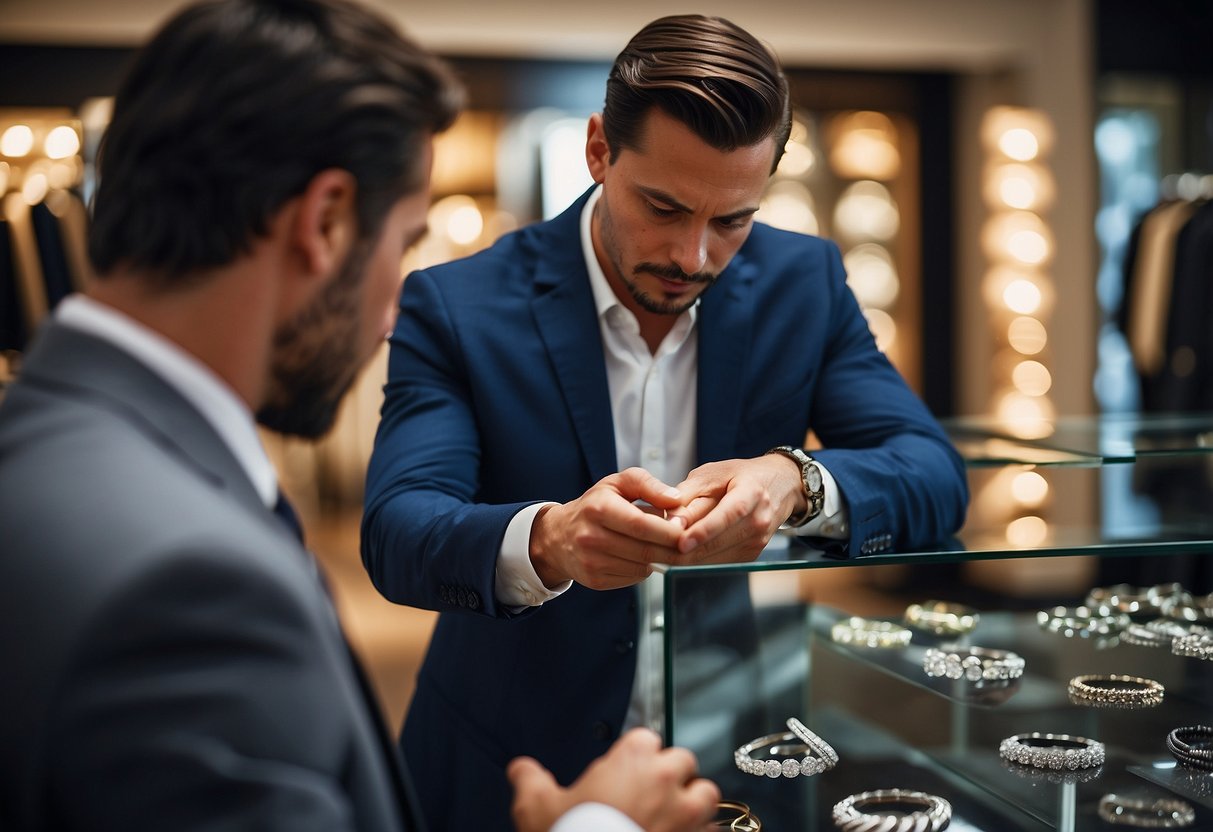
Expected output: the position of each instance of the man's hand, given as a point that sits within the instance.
(657, 788)
(734, 507)
(602, 540)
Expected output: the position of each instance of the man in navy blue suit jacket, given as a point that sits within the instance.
(628, 384)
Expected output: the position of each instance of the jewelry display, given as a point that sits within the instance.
(1115, 691)
(737, 816)
(1054, 751)
(1162, 813)
(1192, 746)
(942, 618)
(1082, 622)
(1195, 645)
(1190, 609)
(824, 750)
(865, 632)
(929, 813)
(788, 745)
(974, 664)
(1156, 633)
(1123, 598)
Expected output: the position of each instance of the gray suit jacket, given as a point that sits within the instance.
(170, 659)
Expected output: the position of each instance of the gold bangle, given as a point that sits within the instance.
(942, 618)
(743, 820)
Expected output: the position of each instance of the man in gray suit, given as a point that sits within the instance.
(170, 657)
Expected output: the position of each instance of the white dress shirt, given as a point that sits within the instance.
(653, 397)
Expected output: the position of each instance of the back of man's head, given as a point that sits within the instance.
(709, 73)
(235, 105)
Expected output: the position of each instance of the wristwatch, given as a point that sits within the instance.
(810, 478)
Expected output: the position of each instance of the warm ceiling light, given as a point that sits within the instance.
(61, 142)
(17, 141)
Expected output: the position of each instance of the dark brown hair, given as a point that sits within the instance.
(235, 105)
(709, 74)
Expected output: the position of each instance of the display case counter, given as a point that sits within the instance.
(748, 646)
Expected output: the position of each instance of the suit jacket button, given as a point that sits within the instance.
(473, 599)
(602, 731)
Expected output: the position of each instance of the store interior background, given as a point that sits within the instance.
(900, 104)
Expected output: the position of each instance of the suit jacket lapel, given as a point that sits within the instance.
(568, 323)
(725, 324)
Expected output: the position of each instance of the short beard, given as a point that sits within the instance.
(660, 306)
(315, 359)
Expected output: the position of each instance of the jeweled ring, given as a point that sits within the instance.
(1115, 691)
(1192, 746)
(929, 813)
(786, 745)
(865, 632)
(1131, 599)
(824, 750)
(1159, 632)
(738, 817)
(1163, 813)
(1055, 751)
(942, 618)
(1195, 645)
(974, 664)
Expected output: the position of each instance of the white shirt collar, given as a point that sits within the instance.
(201, 387)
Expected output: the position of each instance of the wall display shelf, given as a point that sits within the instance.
(748, 646)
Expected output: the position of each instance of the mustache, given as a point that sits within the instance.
(672, 272)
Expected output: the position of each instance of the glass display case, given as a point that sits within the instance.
(746, 647)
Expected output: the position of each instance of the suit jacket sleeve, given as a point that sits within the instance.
(903, 481)
(202, 697)
(426, 540)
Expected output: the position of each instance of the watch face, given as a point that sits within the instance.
(812, 478)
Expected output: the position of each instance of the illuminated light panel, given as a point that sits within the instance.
(798, 159)
(1022, 296)
(871, 275)
(788, 205)
(17, 141)
(35, 188)
(1027, 336)
(1027, 532)
(1029, 488)
(1020, 144)
(61, 142)
(866, 211)
(1031, 378)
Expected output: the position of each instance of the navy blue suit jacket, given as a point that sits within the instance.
(497, 397)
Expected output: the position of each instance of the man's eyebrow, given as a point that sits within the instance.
(662, 196)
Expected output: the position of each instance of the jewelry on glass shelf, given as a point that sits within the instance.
(1195, 645)
(974, 664)
(1115, 691)
(788, 745)
(865, 632)
(1134, 600)
(942, 618)
(1192, 746)
(1161, 813)
(1048, 775)
(1055, 751)
(928, 813)
(1156, 633)
(1082, 621)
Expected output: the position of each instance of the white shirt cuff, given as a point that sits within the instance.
(515, 582)
(832, 521)
(594, 817)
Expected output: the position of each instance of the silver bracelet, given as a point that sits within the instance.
(824, 750)
(1195, 645)
(974, 664)
(1082, 621)
(930, 815)
(942, 618)
(1124, 598)
(865, 632)
(1055, 751)
(1163, 813)
(1115, 691)
(787, 744)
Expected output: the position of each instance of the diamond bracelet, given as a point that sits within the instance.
(929, 813)
(788, 744)
(1055, 751)
(973, 664)
(1115, 691)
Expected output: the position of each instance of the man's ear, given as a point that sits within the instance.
(326, 223)
(597, 153)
